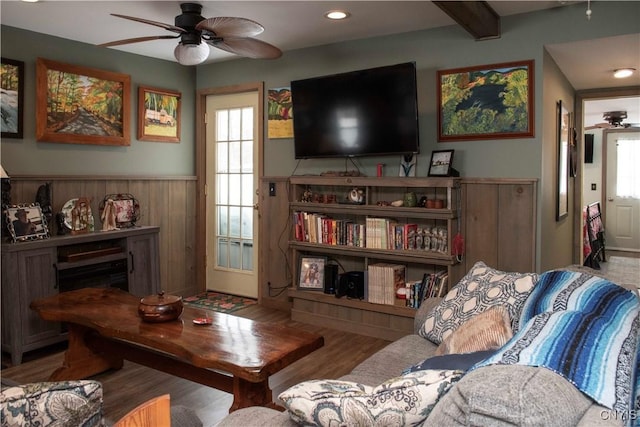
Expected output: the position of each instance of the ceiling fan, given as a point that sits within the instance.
(196, 33)
(613, 120)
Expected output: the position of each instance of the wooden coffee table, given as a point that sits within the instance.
(233, 354)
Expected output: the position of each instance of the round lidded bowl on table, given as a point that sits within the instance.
(160, 307)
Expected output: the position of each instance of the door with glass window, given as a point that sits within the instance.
(622, 227)
(231, 198)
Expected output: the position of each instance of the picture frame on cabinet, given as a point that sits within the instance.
(562, 172)
(26, 222)
(158, 114)
(441, 161)
(94, 107)
(311, 273)
(12, 77)
(492, 101)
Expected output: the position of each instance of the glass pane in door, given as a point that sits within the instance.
(234, 188)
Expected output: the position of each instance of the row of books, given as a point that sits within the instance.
(375, 233)
(383, 280)
(431, 286)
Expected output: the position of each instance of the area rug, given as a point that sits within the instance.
(223, 303)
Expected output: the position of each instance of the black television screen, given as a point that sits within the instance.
(359, 113)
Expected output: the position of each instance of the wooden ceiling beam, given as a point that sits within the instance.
(477, 17)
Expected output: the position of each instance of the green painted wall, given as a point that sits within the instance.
(523, 37)
(28, 157)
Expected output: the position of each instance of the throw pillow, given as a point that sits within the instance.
(488, 330)
(405, 400)
(482, 287)
(457, 362)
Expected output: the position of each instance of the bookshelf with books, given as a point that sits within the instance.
(362, 224)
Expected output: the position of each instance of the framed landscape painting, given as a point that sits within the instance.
(158, 115)
(80, 105)
(486, 102)
(12, 98)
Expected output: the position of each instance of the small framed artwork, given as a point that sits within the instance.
(81, 105)
(26, 222)
(563, 136)
(486, 102)
(280, 123)
(126, 209)
(312, 273)
(158, 115)
(12, 98)
(441, 161)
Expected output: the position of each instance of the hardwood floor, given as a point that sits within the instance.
(134, 384)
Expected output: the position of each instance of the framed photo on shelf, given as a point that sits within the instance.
(563, 136)
(158, 115)
(312, 273)
(441, 161)
(486, 102)
(26, 222)
(12, 77)
(81, 105)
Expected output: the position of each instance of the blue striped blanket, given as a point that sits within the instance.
(584, 328)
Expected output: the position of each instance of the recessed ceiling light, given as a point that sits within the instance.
(337, 14)
(623, 72)
(31, 1)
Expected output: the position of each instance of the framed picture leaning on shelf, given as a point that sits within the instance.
(26, 222)
(441, 161)
(312, 273)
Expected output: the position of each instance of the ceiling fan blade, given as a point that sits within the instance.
(248, 47)
(157, 24)
(230, 27)
(137, 40)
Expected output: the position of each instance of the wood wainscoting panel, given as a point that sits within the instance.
(167, 202)
(499, 225)
(275, 274)
(517, 227)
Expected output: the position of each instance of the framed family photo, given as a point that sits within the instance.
(158, 115)
(486, 102)
(80, 105)
(26, 222)
(312, 273)
(12, 97)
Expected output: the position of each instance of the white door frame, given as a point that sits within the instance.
(608, 139)
(201, 167)
(578, 205)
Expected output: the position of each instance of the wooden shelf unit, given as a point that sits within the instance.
(35, 269)
(379, 320)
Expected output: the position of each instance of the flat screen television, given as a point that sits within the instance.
(369, 112)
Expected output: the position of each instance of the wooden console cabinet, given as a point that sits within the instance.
(328, 196)
(126, 258)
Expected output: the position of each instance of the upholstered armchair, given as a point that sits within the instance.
(64, 403)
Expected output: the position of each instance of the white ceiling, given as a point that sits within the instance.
(299, 24)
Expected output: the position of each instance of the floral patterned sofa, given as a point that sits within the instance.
(65, 403)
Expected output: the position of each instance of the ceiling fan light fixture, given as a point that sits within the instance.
(622, 73)
(337, 15)
(191, 54)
